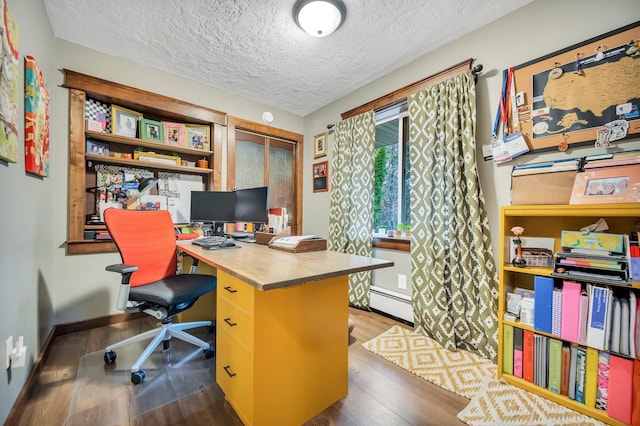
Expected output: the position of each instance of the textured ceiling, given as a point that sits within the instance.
(254, 49)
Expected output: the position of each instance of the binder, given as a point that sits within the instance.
(571, 292)
(507, 349)
(555, 364)
(517, 352)
(621, 389)
(556, 312)
(527, 355)
(583, 317)
(543, 303)
(564, 371)
(598, 316)
(591, 378)
(602, 393)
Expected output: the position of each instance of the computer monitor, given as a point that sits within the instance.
(251, 205)
(212, 206)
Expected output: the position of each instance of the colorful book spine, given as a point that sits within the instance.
(527, 355)
(517, 352)
(602, 393)
(621, 389)
(555, 365)
(565, 368)
(507, 349)
(581, 373)
(591, 378)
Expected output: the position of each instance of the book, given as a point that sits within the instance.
(597, 318)
(571, 292)
(591, 378)
(602, 392)
(621, 389)
(507, 349)
(571, 392)
(517, 352)
(543, 303)
(565, 368)
(581, 373)
(527, 355)
(556, 312)
(555, 364)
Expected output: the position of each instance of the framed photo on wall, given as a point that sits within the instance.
(321, 176)
(124, 121)
(320, 145)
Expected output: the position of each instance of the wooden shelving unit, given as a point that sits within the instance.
(151, 105)
(548, 221)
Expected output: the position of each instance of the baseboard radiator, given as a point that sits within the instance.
(395, 304)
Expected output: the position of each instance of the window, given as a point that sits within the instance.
(392, 167)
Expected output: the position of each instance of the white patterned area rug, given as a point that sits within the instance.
(473, 377)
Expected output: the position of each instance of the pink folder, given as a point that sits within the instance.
(571, 292)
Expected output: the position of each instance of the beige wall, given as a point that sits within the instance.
(537, 29)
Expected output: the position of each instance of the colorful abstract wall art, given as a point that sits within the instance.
(36, 119)
(8, 86)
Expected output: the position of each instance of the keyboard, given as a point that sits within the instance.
(216, 241)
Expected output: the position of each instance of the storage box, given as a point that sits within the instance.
(542, 188)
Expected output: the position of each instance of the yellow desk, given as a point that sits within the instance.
(282, 337)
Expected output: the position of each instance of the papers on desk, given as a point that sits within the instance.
(299, 243)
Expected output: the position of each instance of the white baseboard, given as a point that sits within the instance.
(392, 303)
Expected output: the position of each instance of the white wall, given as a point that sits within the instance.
(537, 29)
(26, 223)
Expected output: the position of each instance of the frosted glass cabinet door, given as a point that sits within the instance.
(250, 153)
(281, 169)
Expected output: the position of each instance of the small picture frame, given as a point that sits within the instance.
(151, 130)
(124, 121)
(320, 145)
(97, 148)
(620, 184)
(321, 176)
(174, 134)
(198, 136)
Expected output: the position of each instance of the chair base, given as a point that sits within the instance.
(162, 334)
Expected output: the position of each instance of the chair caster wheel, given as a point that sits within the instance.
(109, 357)
(209, 352)
(138, 377)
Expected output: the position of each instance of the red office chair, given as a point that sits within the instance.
(146, 241)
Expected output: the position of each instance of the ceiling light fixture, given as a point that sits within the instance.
(319, 18)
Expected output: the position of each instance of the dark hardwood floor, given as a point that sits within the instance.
(380, 393)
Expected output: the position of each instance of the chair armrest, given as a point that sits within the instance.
(122, 268)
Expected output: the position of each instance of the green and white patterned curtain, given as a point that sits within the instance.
(351, 211)
(452, 264)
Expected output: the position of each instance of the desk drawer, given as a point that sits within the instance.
(238, 324)
(234, 375)
(235, 291)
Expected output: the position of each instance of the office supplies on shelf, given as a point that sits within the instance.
(299, 243)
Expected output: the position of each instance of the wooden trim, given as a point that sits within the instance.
(234, 123)
(401, 244)
(128, 97)
(409, 89)
(20, 405)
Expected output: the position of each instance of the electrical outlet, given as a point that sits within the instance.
(402, 281)
(9, 350)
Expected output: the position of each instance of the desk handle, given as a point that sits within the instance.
(231, 324)
(226, 369)
(230, 290)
